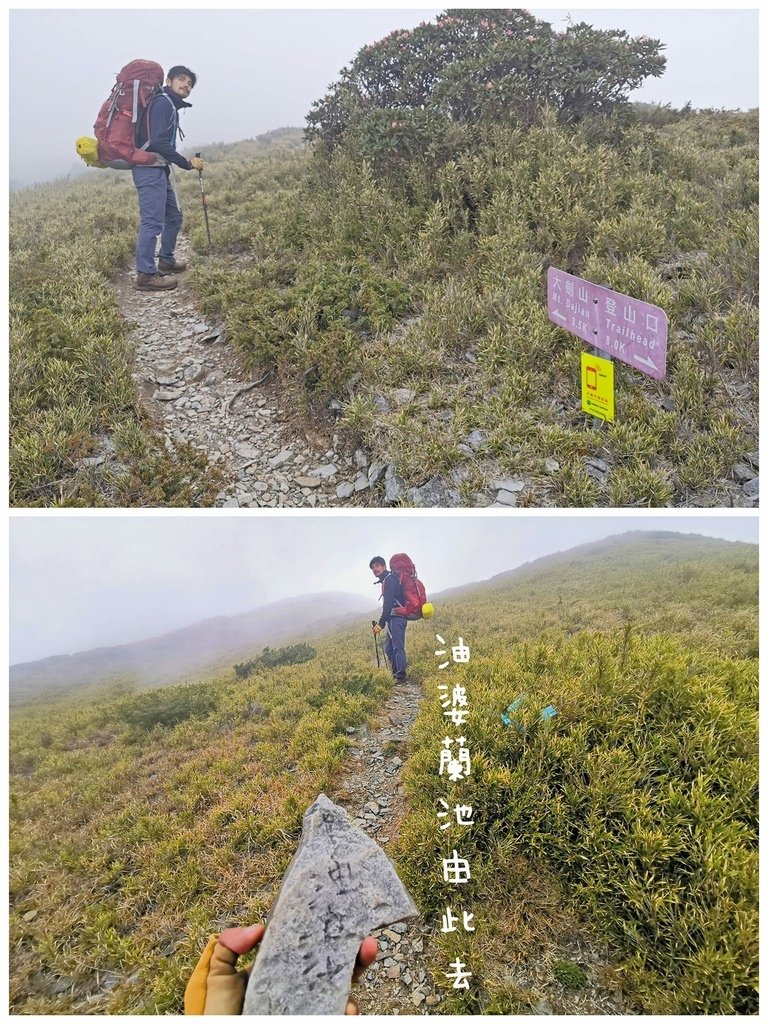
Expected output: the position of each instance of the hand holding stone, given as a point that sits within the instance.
(217, 987)
(339, 887)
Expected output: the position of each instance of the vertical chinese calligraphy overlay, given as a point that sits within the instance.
(454, 766)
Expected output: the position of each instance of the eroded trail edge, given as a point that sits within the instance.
(193, 387)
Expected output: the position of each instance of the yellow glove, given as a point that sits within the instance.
(196, 164)
(216, 987)
(376, 629)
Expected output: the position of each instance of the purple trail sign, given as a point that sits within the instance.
(627, 329)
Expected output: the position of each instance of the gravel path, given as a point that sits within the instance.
(193, 386)
(398, 982)
(191, 382)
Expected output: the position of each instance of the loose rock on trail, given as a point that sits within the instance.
(398, 982)
(193, 386)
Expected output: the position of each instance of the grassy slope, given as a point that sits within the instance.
(72, 397)
(71, 392)
(431, 282)
(186, 655)
(413, 308)
(640, 798)
(129, 844)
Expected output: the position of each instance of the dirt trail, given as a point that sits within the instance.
(398, 982)
(192, 385)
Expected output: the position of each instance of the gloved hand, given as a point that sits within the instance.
(376, 629)
(196, 164)
(217, 987)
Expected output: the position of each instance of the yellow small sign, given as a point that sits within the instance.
(597, 386)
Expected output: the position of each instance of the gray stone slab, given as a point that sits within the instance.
(345, 489)
(752, 487)
(743, 472)
(280, 458)
(509, 483)
(394, 486)
(435, 493)
(339, 887)
(324, 472)
(508, 498)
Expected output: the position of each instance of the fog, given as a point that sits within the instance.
(82, 581)
(262, 69)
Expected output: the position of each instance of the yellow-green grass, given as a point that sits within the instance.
(433, 280)
(354, 285)
(640, 796)
(72, 396)
(142, 821)
(132, 842)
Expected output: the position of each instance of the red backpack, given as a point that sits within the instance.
(115, 127)
(414, 594)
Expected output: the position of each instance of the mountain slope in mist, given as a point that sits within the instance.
(196, 649)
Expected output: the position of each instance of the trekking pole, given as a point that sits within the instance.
(376, 644)
(384, 652)
(205, 208)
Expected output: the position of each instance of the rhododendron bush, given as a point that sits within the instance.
(413, 89)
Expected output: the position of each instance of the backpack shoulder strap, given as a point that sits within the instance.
(148, 110)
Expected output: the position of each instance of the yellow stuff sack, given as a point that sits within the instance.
(88, 149)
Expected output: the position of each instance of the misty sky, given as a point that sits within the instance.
(262, 69)
(79, 582)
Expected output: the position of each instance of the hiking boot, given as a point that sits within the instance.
(171, 266)
(154, 282)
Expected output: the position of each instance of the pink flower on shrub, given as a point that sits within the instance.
(489, 85)
(531, 39)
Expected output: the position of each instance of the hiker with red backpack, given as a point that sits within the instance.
(136, 130)
(392, 597)
(404, 599)
(159, 211)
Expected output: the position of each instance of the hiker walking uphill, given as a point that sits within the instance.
(159, 211)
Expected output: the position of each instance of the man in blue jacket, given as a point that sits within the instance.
(392, 597)
(159, 211)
